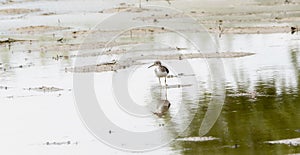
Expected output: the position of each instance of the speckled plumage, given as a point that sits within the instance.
(160, 71)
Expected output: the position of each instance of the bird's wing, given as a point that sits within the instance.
(165, 69)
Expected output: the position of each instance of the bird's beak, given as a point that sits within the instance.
(151, 66)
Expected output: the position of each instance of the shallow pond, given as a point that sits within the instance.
(39, 115)
(261, 104)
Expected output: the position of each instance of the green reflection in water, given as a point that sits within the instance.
(249, 120)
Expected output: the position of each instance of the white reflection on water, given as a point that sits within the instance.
(272, 60)
(30, 118)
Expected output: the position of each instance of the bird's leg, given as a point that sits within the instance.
(159, 81)
(160, 90)
(166, 81)
(166, 93)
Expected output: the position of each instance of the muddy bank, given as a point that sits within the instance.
(197, 139)
(9, 67)
(10, 40)
(45, 89)
(255, 30)
(114, 65)
(291, 142)
(16, 11)
(4, 87)
(39, 29)
(61, 143)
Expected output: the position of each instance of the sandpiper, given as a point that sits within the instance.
(160, 71)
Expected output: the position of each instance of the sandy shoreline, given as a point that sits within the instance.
(274, 15)
(58, 38)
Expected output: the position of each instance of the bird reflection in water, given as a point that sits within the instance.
(163, 104)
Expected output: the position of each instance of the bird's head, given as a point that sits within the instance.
(156, 63)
